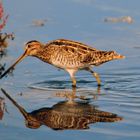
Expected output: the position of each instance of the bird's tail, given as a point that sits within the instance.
(113, 55)
(104, 56)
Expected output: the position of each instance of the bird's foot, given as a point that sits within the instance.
(73, 86)
(99, 85)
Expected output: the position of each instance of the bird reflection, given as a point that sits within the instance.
(1, 107)
(65, 115)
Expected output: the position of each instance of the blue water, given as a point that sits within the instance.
(39, 82)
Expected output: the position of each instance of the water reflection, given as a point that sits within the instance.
(1, 107)
(65, 115)
(71, 95)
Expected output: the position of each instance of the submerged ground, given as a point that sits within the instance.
(35, 84)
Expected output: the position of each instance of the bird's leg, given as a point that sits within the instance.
(72, 96)
(73, 82)
(72, 73)
(96, 75)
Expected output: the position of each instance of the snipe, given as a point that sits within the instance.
(68, 55)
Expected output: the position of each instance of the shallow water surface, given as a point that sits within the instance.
(36, 85)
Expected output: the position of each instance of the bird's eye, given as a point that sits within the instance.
(29, 46)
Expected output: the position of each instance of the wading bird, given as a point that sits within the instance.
(68, 55)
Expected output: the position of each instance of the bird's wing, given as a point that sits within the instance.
(71, 52)
(71, 48)
(72, 44)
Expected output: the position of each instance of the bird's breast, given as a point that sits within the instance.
(63, 62)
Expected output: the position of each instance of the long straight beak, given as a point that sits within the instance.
(17, 61)
(22, 110)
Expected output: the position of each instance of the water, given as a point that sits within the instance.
(35, 85)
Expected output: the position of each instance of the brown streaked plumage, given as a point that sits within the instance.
(68, 55)
(65, 115)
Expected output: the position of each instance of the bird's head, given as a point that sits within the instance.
(31, 49)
